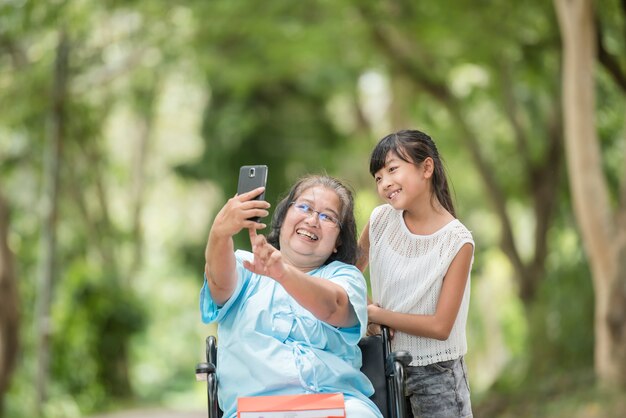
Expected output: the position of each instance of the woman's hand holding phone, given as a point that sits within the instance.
(239, 212)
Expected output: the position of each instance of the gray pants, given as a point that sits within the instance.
(439, 390)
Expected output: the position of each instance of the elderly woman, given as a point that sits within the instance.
(289, 314)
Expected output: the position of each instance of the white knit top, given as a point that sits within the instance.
(406, 273)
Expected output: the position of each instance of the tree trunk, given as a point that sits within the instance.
(147, 111)
(9, 307)
(49, 219)
(604, 241)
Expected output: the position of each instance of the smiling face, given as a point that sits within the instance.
(306, 242)
(402, 184)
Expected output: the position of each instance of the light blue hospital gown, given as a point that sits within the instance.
(270, 345)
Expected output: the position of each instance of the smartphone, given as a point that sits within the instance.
(251, 177)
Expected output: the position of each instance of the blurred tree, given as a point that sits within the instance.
(9, 306)
(75, 199)
(48, 254)
(601, 217)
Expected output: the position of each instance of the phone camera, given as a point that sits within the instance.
(251, 173)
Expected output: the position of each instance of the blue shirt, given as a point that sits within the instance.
(270, 345)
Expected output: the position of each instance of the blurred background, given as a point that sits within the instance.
(123, 124)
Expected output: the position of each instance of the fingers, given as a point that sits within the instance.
(244, 213)
(267, 259)
(262, 250)
(253, 204)
(238, 211)
(253, 209)
(252, 225)
(273, 259)
(251, 194)
(254, 238)
(373, 329)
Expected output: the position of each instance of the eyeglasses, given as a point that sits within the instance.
(324, 217)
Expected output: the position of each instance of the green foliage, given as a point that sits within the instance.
(611, 108)
(95, 319)
(563, 314)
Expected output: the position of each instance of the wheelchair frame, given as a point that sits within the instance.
(391, 403)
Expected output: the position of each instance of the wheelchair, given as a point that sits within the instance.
(383, 368)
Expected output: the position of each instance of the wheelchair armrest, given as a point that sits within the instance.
(203, 370)
(404, 357)
(211, 349)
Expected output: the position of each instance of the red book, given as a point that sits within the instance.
(316, 405)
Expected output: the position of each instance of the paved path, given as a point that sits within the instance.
(153, 413)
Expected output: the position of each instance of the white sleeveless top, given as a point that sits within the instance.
(406, 274)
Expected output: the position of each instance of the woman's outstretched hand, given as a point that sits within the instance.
(236, 213)
(268, 260)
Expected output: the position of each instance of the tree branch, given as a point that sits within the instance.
(512, 112)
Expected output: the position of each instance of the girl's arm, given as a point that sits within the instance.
(364, 249)
(362, 263)
(439, 325)
(364, 253)
(326, 300)
(220, 268)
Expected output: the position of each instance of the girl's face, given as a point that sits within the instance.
(402, 184)
(309, 233)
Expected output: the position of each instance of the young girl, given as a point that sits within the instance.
(420, 259)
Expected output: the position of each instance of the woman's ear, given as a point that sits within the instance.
(337, 245)
(429, 167)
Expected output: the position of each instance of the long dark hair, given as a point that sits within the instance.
(414, 147)
(346, 242)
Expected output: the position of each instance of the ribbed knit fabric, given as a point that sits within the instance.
(406, 273)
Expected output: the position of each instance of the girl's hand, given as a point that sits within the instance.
(374, 312)
(235, 214)
(268, 260)
(373, 329)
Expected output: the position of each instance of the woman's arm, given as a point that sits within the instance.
(326, 300)
(220, 268)
(439, 325)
